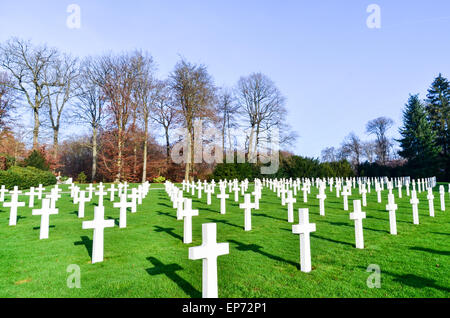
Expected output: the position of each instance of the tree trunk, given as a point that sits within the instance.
(119, 156)
(55, 144)
(36, 128)
(167, 143)
(144, 153)
(94, 153)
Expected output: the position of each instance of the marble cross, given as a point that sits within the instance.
(13, 205)
(82, 199)
(430, 198)
(222, 196)
(187, 213)
(98, 225)
(45, 213)
(112, 191)
(442, 197)
(290, 206)
(31, 194)
(345, 194)
(208, 190)
(415, 206)
(208, 252)
(321, 196)
(123, 204)
(304, 228)
(358, 216)
(392, 207)
(3, 190)
(247, 206)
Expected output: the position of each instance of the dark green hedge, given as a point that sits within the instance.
(26, 177)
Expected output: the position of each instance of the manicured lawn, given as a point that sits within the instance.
(149, 259)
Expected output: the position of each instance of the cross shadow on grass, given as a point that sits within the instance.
(170, 271)
(440, 233)
(166, 214)
(168, 230)
(430, 250)
(87, 242)
(38, 227)
(331, 240)
(165, 204)
(116, 220)
(224, 222)
(257, 249)
(416, 281)
(19, 217)
(268, 216)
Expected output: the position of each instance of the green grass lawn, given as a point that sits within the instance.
(149, 259)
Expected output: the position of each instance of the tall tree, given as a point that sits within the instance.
(228, 110)
(194, 97)
(7, 98)
(63, 73)
(89, 108)
(145, 97)
(379, 127)
(352, 147)
(163, 112)
(28, 64)
(418, 139)
(438, 108)
(263, 106)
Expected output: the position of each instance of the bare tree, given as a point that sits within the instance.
(228, 110)
(63, 73)
(118, 87)
(262, 105)
(144, 95)
(89, 108)
(7, 98)
(369, 150)
(329, 154)
(352, 148)
(28, 65)
(194, 97)
(378, 127)
(163, 112)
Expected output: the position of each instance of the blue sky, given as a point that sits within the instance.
(335, 72)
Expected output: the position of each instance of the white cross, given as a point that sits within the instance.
(208, 190)
(290, 204)
(321, 196)
(358, 216)
(345, 194)
(53, 196)
(247, 206)
(222, 196)
(91, 188)
(208, 252)
(31, 194)
(392, 207)
(187, 213)
(40, 189)
(98, 224)
(14, 204)
(3, 190)
(364, 195)
(123, 205)
(180, 201)
(305, 192)
(199, 189)
(45, 213)
(133, 196)
(304, 228)
(193, 188)
(236, 192)
(430, 198)
(112, 191)
(415, 202)
(442, 197)
(100, 193)
(82, 199)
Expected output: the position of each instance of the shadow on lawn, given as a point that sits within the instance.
(257, 249)
(224, 222)
(38, 227)
(430, 250)
(87, 242)
(170, 271)
(168, 230)
(166, 214)
(268, 216)
(116, 220)
(416, 281)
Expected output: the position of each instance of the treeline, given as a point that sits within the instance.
(290, 166)
(424, 146)
(130, 114)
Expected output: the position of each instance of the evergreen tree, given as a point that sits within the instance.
(418, 142)
(438, 108)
